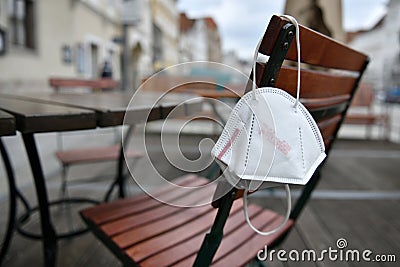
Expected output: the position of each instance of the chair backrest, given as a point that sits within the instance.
(328, 85)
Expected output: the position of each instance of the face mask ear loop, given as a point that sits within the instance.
(254, 69)
(289, 208)
(294, 21)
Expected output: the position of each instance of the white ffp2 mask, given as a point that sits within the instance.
(270, 137)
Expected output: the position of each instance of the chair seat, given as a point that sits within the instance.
(141, 230)
(88, 155)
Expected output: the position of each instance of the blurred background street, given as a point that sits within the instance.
(127, 42)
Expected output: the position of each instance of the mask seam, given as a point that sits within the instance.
(302, 149)
(248, 144)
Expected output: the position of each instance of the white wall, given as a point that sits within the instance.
(382, 45)
(58, 23)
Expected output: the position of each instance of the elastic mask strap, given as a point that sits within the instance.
(294, 21)
(289, 207)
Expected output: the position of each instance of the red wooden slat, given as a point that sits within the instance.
(243, 234)
(314, 84)
(329, 54)
(108, 211)
(245, 254)
(161, 242)
(190, 247)
(152, 215)
(95, 154)
(328, 127)
(91, 83)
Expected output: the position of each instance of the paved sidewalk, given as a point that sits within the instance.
(357, 199)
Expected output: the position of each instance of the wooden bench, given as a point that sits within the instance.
(364, 100)
(142, 231)
(58, 83)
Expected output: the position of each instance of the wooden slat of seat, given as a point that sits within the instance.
(152, 215)
(123, 208)
(174, 254)
(246, 253)
(96, 154)
(155, 228)
(178, 235)
(243, 237)
(244, 233)
(123, 211)
(186, 180)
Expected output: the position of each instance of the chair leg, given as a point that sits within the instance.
(63, 187)
(12, 203)
(213, 239)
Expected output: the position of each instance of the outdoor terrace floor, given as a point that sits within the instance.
(358, 199)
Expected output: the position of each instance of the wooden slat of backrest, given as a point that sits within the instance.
(316, 49)
(328, 129)
(173, 255)
(314, 84)
(244, 254)
(181, 234)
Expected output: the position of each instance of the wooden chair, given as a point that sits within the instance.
(143, 232)
(78, 156)
(361, 112)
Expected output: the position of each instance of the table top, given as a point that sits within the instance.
(101, 109)
(7, 124)
(33, 117)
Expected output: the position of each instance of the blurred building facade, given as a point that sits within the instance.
(73, 38)
(199, 40)
(165, 33)
(324, 16)
(63, 38)
(382, 44)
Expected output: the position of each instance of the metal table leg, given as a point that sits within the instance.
(119, 178)
(12, 202)
(49, 235)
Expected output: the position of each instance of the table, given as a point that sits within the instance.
(7, 127)
(50, 112)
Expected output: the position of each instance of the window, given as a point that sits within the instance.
(80, 58)
(21, 27)
(157, 44)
